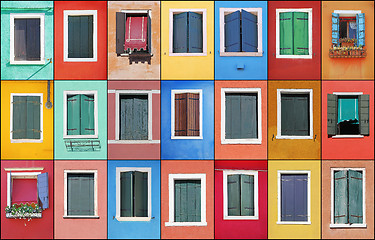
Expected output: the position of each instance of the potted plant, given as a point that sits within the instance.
(347, 42)
(23, 210)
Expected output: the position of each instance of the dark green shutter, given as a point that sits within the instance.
(364, 114)
(295, 114)
(140, 194)
(341, 197)
(331, 114)
(74, 114)
(300, 33)
(180, 32)
(33, 117)
(233, 119)
(87, 115)
(247, 195)
(234, 195)
(286, 33)
(248, 116)
(80, 194)
(187, 201)
(195, 35)
(33, 39)
(80, 36)
(134, 117)
(355, 193)
(19, 117)
(120, 32)
(126, 208)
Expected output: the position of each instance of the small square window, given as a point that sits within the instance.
(348, 26)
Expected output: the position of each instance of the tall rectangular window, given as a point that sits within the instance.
(134, 194)
(80, 194)
(348, 24)
(187, 200)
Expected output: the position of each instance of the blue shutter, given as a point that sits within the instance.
(232, 32)
(287, 197)
(180, 33)
(335, 28)
(249, 32)
(195, 44)
(360, 18)
(300, 196)
(43, 190)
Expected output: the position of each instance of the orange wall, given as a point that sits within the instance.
(293, 148)
(345, 233)
(347, 68)
(187, 166)
(240, 151)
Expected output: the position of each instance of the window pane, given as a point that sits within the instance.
(27, 39)
(133, 117)
(187, 200)
(80, 194)
(80, 36)
(347, 115)
(295, 115)
(26, 117)
(24, 191)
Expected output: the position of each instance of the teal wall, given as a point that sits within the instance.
(23, 72)
(84, 85)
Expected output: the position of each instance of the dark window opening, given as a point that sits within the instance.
(27, 39)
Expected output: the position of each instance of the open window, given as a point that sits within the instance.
(241, 32)
(348, 114)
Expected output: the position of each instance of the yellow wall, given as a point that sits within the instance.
(10, 150)
(294, 231)
(187, 67)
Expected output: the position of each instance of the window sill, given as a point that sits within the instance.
(186, 137)
(348, 136)
(79, 136)
(294, 137)
(133, 219)
(27, 62)
(30, 215)
(363, 225)
(82, 217)
(80, 60)
(295, 56)
(241, 54)
(294, 223)
(133, 141)
(241, 141)
(241, 218)
(176, 224)
(26, 140)
(187, 54)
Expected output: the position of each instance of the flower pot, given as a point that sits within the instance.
(347, 44)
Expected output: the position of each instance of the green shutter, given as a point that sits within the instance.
(140, 194)
(341, 197)
(74, 114)
(197, 208)
(287, 112)
(248, 115)
(331, 114)
(80, 194)
(233, 120)
(19, 117)
(286, 33)
(35, 105)
(177, 202)
(364, 114)
(87, 115)
(247, 195)
(26, 117)
(301, 33)
(187, 201)
(355, 180)
(234, 200)
(126, 208)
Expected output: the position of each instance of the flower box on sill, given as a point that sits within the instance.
(347, 52)
(26, 215)
(23, 210)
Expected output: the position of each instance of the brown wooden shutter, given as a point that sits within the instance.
(192, 114)
(180, 114)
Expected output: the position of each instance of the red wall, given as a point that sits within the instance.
(294, 68)
(80, 70)
(245, 229)
(37, 228)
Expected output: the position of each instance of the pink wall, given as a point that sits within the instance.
(81, 228)
(347, 148)
(245, 229)
(134, 151)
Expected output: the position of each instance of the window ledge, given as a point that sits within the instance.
(133, 219)
(363, 225)
(295, 56)
(241, 218)
(187, 54)
(186, 137)
(28, 215)
(241, 54)
(294, 137)
(26, 140)
(294, 223)
(175, 224)
(80, 60)
(348, 136)
(241, 141)
(27, 62)
(79, 136)
(133, 141)
(82, 217)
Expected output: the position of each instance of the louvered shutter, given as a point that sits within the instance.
(247, 195)
(180, 32)
(140, 194)
(181, 114)
(126, 118)
(360, 19)
(233, 116)
(149, 33)
(228, 116)
(286, 33)
(287, 197)
(301, 115)
(300, 33)
(87, 115)
(364, 114)
(80, 194)
(19, 117)
(232, 32)
(20, 32)
(331, 114)
(300, 197)
(341, 197)
(355, 200)
(234, 195)
(120, 32)
(248, 116)
(287, 115)
(249, 32)
(192, 114)
(196, 184)
(33, 39)
(43, 196)
(335, 28)
(140, 118)
(195, 35)
(126, 201)
(177, 202)
(80, 36)
(33, 117)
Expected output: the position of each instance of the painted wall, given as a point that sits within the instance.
(347, 68)
(187, 148)
(240, 151)
(30, 150)
(293, 148)
(187, 67)
(80, 227)
(347, 148)
(134, 229)
(289, 231)
(187, 166)
(24, 72)
(133, 151)
(354, 233)
(236, 229)
(60, 148)
(255, 67)
(37, 228)
(284, 68)
(119, 67)
(81, 70)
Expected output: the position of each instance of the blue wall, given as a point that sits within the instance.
(128, 229)
(255, 67)
(187, 148)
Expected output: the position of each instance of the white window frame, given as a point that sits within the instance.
(225, 11)
(27, 15)
(259, 119)
(179, 91)
(119, 170)
(347, 225)
(95, 172)
(294, 91)
(65, 109)
(348, 94)
(347, 13)
(281, 172)
(226, 173)
(68, 13)
(40, 140)
(171, 182)
(204, 31)
(306, 10)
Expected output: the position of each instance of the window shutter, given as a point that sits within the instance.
(126, 118)
(364, 114)
(234, 195)
(301, 115)
(341, 197)
(127, 201)
(286, 33)
(360, 18)
(43, 196)
(232, 32)
(120, 32)
(249, 32)
(196, 185)
(180, 114)
(192, 114)
(301, 33)
(33, 39)
(300, 197)
(10, 180)
(80, 36)
(74, 41)
(19, 117)
(140, 119)
(228, 116)
(80, 194)
(74, 114)
(89, 40)
(287, 197)
(180, 32)
(287, 113)
(140, 194)
(195, 36)
(248, 116)
(247, 195)
(355, 180)
(335, 28)
(33, 107)
(87, 115)
(149, 33)
(233, 120)
(331, 114)
(20, 50)
(177, 202)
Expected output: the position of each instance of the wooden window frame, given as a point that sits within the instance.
(119, 170)
(93, 13)
(40, 140)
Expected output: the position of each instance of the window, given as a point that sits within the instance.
(240, 194)
(80, 35)
(294, 33)
(293, 197)
(133, 194)
(80, 114)
(348, 114)
(294, 114)
(241, 116)
(27, 38)
(186, 114)
(80, 193)
(241, 32)
(348, 24)
(347, 197)
(26, 124)
(187, 200)
(188, 33)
